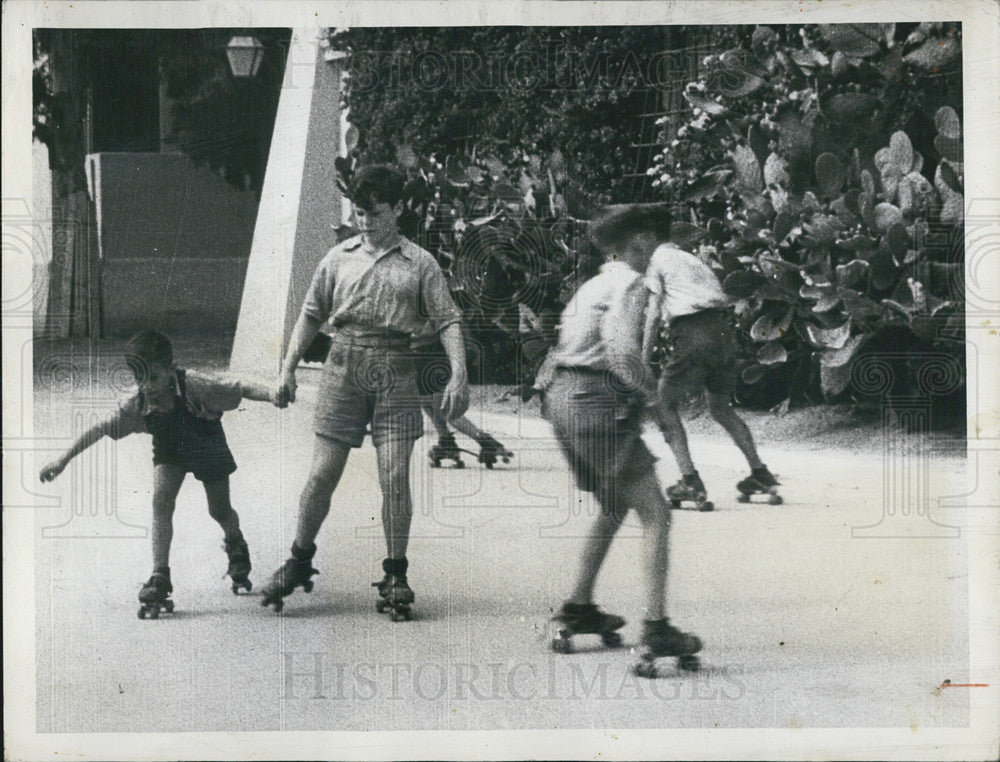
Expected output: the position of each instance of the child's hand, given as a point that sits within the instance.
(285, 392)
(52, 470)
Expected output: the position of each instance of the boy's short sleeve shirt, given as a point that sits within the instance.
(399, 290)
(206, 395)
(581, 344)
(683, 283)
(210, 395)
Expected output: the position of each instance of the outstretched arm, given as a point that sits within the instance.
(85, 440)
(251, 390)
(305, 331)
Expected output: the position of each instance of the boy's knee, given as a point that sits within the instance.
(163, 504)
(718, 406)
(219, 511)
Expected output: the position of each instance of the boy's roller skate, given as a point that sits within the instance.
(394, 594)
(446, 449)
(661, 638)
(760, 482)
(239, 565)
(295, 572)
(585, 619)
(154, 596)
(690, 489)
(491, 450)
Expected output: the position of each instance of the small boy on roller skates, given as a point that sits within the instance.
(596, 390)
(375, 290)
(182, 410)
(688, 302)
(433, 373)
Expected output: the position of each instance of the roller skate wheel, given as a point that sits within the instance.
(675, 504)
(435, 463)
(380, 606)
(169, 606)
(647, 669)
(278, 606)
(459, 464)
(154, 612)
(775, 500)
(689, 663)
(706, 507)
(611, 639)
(401, 615)
(489, 465)
(142, 612)
(743, 497)
(562, 645)
(307, 586)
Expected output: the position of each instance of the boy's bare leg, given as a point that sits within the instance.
(595, 548)
(329, 459)
(645, 496)
(729, 419)
(467, 427)
(432, 407)
(220, 509)
(167, 480)
(462, 425)
(397, 508)
(675, 436)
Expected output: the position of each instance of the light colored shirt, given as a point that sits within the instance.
(682, 284)
(206, 395)
(394, 291)
(609, 304)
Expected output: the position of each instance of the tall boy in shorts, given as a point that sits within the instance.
(376, 290)
(597, 388)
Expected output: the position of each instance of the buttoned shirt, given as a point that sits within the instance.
(615, 297)
(682, 283)
(396, 291)
(205, 395)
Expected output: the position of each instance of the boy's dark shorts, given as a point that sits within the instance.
(701, 354)
(205, 454)
(368, 381)
(433, 368)
(598, 429)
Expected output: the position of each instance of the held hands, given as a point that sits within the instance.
(285, 392)
(52, 470)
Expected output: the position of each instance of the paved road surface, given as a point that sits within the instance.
(804, 625)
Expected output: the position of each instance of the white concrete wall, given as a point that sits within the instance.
(300, 207)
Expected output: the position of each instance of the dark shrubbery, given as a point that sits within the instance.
(822, 166)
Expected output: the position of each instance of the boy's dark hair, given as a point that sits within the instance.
(148, 347)
(376, 183)
(618, 223)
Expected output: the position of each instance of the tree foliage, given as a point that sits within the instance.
(822, 166)
(575, 91)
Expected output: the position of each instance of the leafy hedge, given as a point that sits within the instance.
(821, 170)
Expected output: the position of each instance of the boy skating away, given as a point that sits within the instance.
(433, 373)
(182, 410)
(376, 290)
(688, 301)
(596, 391)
